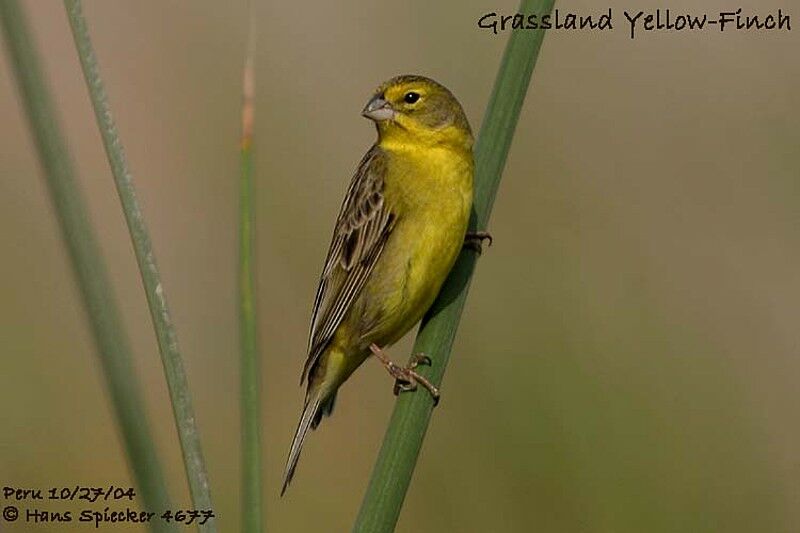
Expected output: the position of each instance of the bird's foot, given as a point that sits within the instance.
(474, 240)
(406, 378)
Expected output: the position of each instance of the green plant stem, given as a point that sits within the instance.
(392, 473)
(250, 368)
(165, 332)
(109, 336)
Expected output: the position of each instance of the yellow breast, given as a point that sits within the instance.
(430, 190)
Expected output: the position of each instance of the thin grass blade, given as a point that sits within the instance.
(174, 371)
(252, 513)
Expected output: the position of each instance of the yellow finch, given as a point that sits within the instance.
(399, 231)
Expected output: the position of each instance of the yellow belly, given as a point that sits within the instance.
(432, 199)
(421, 264)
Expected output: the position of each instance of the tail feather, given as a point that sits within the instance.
(311, 413)
(325, 409)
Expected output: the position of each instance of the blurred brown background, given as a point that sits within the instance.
(628, 360)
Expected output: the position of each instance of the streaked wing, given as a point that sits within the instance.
(363, 225)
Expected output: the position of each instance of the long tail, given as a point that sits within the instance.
(316, 405)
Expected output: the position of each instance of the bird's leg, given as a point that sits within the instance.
(474, 240)
(406, 379)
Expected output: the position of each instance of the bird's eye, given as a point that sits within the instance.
(411, 97)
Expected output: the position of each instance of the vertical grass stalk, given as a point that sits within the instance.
(165, 332)
(249, 367)
(392, 473)
(110, 339)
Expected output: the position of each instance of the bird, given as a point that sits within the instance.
(400, 229)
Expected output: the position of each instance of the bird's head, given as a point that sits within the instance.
(417, 109)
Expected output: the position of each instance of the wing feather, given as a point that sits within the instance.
(361, 230)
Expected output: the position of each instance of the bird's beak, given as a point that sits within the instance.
(378, 110)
